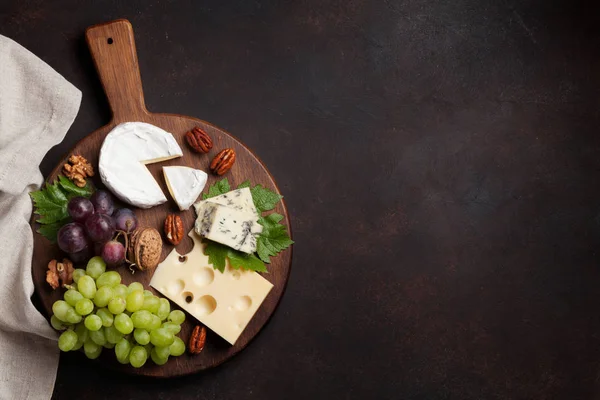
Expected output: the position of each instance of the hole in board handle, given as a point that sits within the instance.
(110, 40)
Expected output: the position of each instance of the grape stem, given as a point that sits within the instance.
(126, 239)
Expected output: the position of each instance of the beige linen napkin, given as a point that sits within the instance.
(37, 107)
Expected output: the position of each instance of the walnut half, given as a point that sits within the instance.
(77, 169)
(59, 273)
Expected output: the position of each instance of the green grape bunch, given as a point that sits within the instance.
(100, 312)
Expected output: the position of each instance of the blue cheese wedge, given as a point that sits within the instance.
(229, 226)
(239, 199)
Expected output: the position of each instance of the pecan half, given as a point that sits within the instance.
(199, 140)
(59, 273)
(174, 229)
(223, 161)
(198, 339)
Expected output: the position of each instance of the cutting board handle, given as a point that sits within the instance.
(113, 49)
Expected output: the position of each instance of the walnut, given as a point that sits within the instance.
(59, 271)
(52, 275)
(144, 248)
(78, 169)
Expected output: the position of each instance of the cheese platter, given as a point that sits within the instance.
(162, 244)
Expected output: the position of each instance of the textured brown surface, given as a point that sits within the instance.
(440, 165)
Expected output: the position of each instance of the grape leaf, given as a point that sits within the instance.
(42, 201)
(273, 239)
(245, 184)
(264, 199)
(50, 204)
(217, 189)
(218, 253)
(272, 218)
(250, 262)
(51, 230)
(55, 194)
(73, 190)
(51, 216)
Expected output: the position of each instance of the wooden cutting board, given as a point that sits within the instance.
(113, 50)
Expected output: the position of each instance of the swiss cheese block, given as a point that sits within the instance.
(228, 226)
(125, 150)
(224, 302)
(185, 184)
(239, 199)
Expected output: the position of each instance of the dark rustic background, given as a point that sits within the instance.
(440, 163)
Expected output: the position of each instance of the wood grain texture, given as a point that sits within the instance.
(117, 66)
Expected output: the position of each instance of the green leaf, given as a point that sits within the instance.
(250, 262)
(49, 231)
(270, 219)
(273, 239)
(264, 199)
(216, 253)
(73, 190)
(43, 202)
(50, 204)
(263, 252)
(216, 189)
(244, 185)
(55, 194)
(51, 216)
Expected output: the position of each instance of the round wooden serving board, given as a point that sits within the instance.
(113, 49)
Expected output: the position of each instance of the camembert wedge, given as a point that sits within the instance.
(185, 184)
(124, 153)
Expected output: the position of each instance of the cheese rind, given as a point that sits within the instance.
(224, 302)
(185, 184)
(124, 152)
(239, 199)
(228, 226)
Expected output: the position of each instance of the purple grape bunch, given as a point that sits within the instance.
(95, 222)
